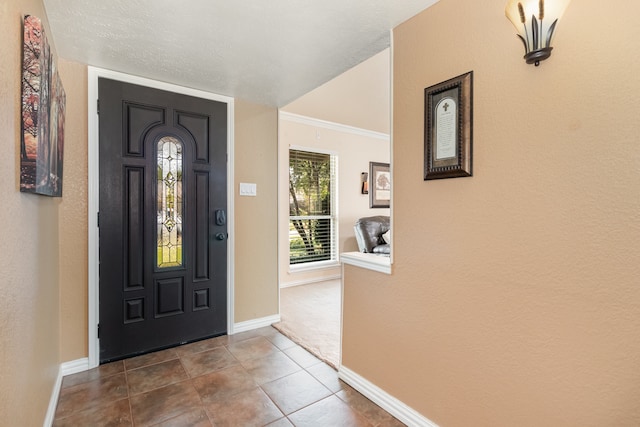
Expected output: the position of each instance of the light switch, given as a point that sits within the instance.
(248, 189)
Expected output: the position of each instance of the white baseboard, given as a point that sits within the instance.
(387, 402)
(53, 401)
(255, 324)
(67, 368)
(75, 366)
(309, 281)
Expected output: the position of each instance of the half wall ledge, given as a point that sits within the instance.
(380, 263)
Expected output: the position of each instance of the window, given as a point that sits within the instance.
(312, 207)
(169, 208)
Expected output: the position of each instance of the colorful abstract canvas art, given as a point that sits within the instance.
(43, 113)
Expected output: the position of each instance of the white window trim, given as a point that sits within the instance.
(335, 256)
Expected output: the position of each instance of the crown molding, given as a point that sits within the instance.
(310, 121)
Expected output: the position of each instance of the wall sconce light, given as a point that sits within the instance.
(364, 179)
(535, 22)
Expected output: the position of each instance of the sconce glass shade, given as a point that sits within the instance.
(535, 21)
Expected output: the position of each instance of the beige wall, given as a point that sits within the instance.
(256, 161)
(73, 216)
(354, 152)
(29, 306)
(514, 297)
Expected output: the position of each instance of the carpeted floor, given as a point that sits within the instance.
(310, 316)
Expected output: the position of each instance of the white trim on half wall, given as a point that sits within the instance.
(93, 139)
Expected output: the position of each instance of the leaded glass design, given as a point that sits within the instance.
(170, 205)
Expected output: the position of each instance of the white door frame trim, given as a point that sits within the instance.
(93, 179)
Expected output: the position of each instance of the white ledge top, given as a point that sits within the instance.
(380, 263)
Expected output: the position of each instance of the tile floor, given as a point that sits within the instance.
(255, 378)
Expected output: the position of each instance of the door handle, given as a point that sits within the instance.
(220, 236)
(221, 218)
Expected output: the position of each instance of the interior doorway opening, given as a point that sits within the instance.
(350, 117)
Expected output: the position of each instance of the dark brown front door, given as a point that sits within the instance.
(162, 220)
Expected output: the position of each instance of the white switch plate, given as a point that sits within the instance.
(248, 189)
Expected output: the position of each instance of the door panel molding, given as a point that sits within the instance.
(94, 74)
(134, 249)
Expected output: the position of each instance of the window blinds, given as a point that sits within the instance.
(312, 219)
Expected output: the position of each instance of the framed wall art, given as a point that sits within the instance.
(43, 113)
(448, 128)
(380, 185)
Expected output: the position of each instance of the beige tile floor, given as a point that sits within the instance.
(255, 378)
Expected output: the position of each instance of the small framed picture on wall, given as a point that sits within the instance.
(379, 185)
(448, 128)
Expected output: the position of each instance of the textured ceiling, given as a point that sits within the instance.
(265, 51)
(359, 97)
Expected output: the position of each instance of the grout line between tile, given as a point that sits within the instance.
(238, 362)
